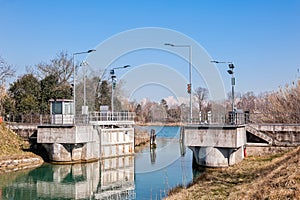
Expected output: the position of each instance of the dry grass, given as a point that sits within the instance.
(266, 177)
(141, 136)
(11, 145)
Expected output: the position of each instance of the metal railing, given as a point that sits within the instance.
(109, 116)
(70, 119)
(22, 118)
(223, 118)
(206, 118)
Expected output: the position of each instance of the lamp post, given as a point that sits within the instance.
(74, 78)
(84, 109)
(230, 72)
(190, 75)
(113, 84)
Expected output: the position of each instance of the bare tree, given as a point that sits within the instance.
(6, 71)
(201, 94)
(61, 67)
(247, 102)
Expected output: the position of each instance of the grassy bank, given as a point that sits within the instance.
(13, 148)
(265, 177)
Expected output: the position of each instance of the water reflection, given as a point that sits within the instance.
(152, 155)
(149, 174)
(107, 179)
(117, 179)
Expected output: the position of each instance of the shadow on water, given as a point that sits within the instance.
(149, 174)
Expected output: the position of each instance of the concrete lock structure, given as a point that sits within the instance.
(102, 135)
(215, 145)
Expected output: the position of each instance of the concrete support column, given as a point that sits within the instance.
(216, 156)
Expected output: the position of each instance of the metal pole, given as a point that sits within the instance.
(112, 96)
(74, 93)
(84, 84)
(232, 91)
(74, 79)
(190, 72)
(190, 75)
(112, 84)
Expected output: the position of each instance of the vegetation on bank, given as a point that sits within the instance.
(141, 136)
(275, 176)
(12, 146)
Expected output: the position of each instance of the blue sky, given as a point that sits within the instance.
(261, 37)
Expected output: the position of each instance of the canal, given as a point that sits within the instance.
(149, 174)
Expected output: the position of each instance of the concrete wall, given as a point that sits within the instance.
(215, 145)
(215, 136)
(282, 134)
(116, 142)
(66, 134)
(265, 150)
(84, 143)
(277, 127)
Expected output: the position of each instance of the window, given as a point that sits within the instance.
(56, 108)
(68, 108)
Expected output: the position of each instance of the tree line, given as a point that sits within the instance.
(31, 92)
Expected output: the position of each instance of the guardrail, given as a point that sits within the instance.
(204, 118)
(22, 118)
(223, 118)
(69, 119)
(109, 116)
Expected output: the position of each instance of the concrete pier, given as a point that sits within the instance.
(216, 145)
(76, 143)
(68, 143)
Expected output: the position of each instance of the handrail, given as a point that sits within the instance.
(69, 119)
(109, 116)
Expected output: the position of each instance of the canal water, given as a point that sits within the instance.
(149, 174)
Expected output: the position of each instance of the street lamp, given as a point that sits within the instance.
(190, 74)
(113, 84)
(84, 64)
(230, 72)
(74, 78)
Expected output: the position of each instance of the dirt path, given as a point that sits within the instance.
(266, 177)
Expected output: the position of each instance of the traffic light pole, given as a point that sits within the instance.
(190, 75)
(113, 84)
(112, 73)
